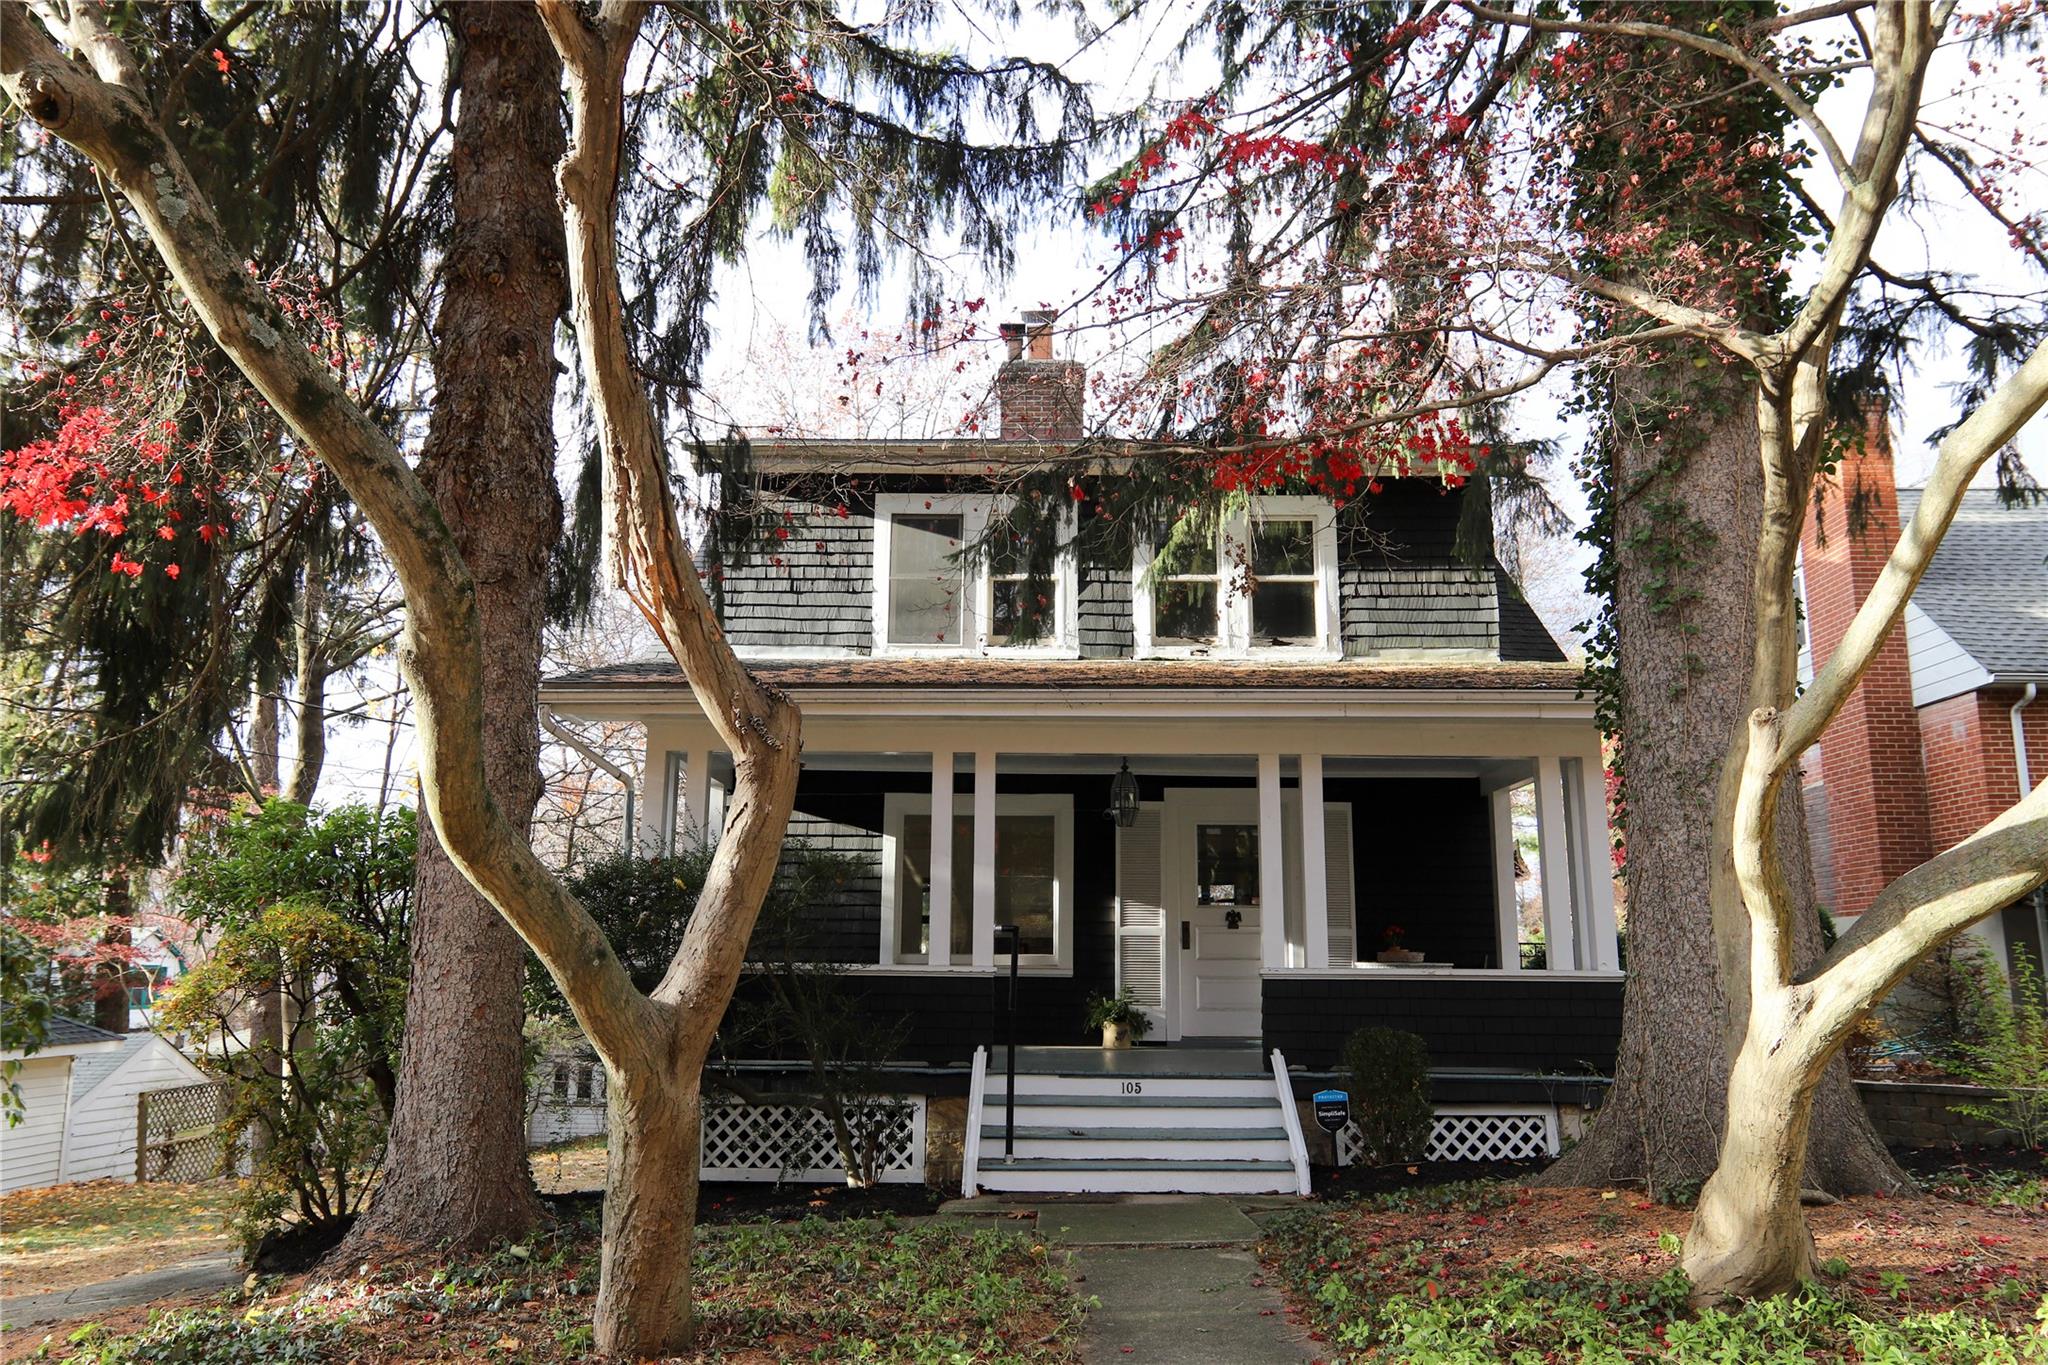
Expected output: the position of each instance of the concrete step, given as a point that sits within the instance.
(1240, 1146)
(1176, 1133)
(1163, 1111)
(1099, 1176)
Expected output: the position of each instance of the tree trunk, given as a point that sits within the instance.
(110, 982)
(650, 1213)
(309, 732)
(456, 1169)
(1749, 1236)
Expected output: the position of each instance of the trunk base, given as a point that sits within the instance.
(1742, 1247)
(650, 1216)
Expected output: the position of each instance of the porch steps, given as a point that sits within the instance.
(1170, 1128)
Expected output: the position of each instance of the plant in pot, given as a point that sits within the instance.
(1119, 1017)
(1391, 949)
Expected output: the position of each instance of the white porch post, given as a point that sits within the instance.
(984, 953)
(693, 826)
(657, 813)
(1315, 891)
(1272, 868)
(1505, 907)
(1554, 848)
(1602, 948)
(941, 884)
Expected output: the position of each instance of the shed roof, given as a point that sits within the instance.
(1988, 583)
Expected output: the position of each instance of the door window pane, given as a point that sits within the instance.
(925, 580)
(1227, 864)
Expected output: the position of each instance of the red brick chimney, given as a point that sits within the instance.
(1870, 757)
(1039, 397)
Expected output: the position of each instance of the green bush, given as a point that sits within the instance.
(2010, 1056)
(1387, 1073)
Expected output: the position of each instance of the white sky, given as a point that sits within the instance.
(1060, 262)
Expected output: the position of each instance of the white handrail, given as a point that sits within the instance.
(970, 1154)
(1297, 1146)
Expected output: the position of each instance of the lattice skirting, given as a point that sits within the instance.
(789, 1142)
(1477, 1132)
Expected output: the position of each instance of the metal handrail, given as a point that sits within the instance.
(1010, 1048)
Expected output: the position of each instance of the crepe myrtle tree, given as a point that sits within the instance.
(1334, 290)
(69, 70)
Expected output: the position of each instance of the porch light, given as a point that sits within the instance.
(1123, 797)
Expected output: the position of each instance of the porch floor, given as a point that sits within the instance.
(1206, 1057)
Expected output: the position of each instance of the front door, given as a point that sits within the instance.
(1218, 893)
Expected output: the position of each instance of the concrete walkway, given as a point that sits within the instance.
(124, 1291)
(1175, 1277)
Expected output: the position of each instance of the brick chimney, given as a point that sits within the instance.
(1039, 397)
(1871, 764)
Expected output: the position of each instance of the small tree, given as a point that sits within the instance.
(1388, 1073)
(2010, 1058)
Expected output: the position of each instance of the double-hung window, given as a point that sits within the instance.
(933, 595)
(1264, 581)
(1034, 877)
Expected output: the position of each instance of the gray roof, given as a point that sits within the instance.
(66, 1032)
(1988, 584)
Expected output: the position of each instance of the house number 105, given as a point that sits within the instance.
(1134, 1087)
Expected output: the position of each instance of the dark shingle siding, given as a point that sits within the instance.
(1523, 636)
(1105, 613)
(1567, 1025)
(815, 590)
(1406, 608)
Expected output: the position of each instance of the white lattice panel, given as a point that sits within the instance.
(790, 1142)
(1474, 1133)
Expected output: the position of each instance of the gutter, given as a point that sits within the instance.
(2023, 771)
(553, 726)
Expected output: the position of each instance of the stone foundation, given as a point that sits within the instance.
(945, 1138)
(1918, 1114)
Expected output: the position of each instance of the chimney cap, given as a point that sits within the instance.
(1013, 338)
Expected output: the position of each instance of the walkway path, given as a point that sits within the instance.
(1176, 1279)
(123, 1291)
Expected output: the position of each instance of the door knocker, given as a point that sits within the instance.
(1233, 918)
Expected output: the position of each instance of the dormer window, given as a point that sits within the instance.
(1263, 582)
(931, 597)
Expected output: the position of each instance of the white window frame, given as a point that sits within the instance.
(897, 805)
(1233, 606)
(975, 512)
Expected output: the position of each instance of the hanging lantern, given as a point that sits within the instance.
(1123, 797)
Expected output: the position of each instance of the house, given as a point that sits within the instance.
(1223, 783)
(1949, 726)
(99, 1138)
(33, 1151)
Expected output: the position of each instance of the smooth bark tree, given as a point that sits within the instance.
(455, 1168)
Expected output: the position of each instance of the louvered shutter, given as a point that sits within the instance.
(1140, 911)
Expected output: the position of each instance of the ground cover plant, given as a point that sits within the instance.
(859, 1289)
(1488, 1271)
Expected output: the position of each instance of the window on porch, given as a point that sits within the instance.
(1033, 877)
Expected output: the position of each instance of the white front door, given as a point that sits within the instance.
(1215, 883)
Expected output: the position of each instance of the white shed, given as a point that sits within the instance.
(32, 1151)
(100, 1141)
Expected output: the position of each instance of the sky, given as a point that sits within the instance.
(764, 299)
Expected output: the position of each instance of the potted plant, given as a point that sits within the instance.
(1391, 949)
(1119, 1017)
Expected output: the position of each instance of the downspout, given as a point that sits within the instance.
(2026, 777)
(549, 723)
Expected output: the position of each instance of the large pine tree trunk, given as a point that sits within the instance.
(456, 1169)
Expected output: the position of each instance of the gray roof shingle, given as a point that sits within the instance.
(1988, 583)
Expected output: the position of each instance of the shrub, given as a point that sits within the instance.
(2010, 1056)
(1387, 1072)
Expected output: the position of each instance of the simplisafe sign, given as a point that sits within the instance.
(1333, 1109)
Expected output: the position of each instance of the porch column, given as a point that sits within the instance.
(1315, 891)
(1272, 868)
(693, 826)
(657, 796)
(1507, 912)
(941, 884)
(984, 953)
(1601, 950)
(1554, 847)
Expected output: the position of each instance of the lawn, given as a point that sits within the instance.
(858, 1289)
(67, 1235)
(1484, 1272)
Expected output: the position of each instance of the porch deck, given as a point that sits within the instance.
(1205, 1057)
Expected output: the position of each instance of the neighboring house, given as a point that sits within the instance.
(1950, 725)
(1305, 773)
(33, 1151)
(99, 1141)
